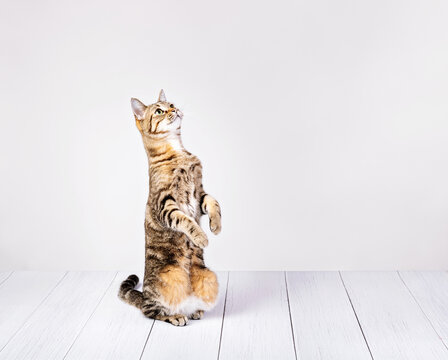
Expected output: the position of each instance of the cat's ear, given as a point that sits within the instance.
(138, 108)
(162, 96)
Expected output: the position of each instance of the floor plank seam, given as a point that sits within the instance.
(421, 309)
(146, 341)
(356, 316)
(223, 314)
(290, 317)
(93, 312)
(31, 314)
(6, 278)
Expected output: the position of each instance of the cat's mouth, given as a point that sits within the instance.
(177, 116)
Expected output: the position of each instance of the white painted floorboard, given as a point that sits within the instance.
(199, 340)
(20, 295)
(404, 316)
(115, 331)
(394, 325)
(55, 325)
(256, 323)
(325, 325)
(430, 289)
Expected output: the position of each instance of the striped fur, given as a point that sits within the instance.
(177, 285)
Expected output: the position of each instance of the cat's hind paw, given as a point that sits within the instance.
(197, 315)
(177, 320)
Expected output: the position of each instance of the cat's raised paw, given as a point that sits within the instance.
(197, 315)
(177, 320)
(215, 224)
(200, 239)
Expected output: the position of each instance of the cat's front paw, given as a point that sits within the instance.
(215, 223)
(199, 239)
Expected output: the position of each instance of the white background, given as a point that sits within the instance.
(322, 127)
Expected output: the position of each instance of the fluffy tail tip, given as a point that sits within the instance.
(133, 278)
(130, 283)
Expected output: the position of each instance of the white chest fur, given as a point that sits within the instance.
(190, 207)
(192, 204)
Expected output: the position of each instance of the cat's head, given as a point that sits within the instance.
(158, 118)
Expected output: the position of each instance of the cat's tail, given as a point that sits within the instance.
(128, 294)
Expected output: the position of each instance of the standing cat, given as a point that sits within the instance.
(177, 285)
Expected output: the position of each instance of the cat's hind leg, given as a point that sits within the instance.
(155, 310)
(204, 284)
(150, 308)
(164, 299)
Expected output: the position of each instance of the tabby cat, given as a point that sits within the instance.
(177, 285)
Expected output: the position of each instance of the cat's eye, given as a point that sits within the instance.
(159, 112)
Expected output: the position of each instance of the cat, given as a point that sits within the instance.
(177, 285)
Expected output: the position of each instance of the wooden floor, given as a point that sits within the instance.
(260, 315)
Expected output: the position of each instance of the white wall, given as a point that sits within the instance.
(322, 127)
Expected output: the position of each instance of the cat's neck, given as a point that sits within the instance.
(158, 144)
